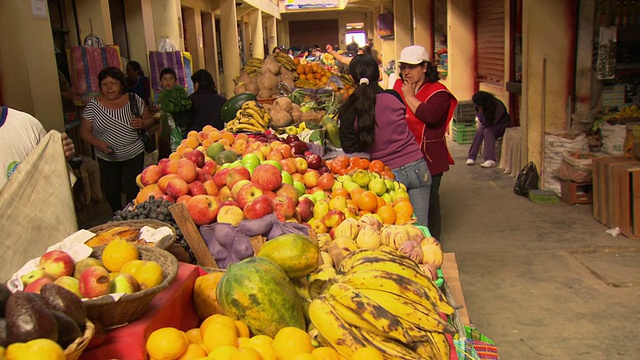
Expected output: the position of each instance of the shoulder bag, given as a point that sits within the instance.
(149, 143)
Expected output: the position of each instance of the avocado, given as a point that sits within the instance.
(58, 298)
(68, 330)
(214, 149)
(3, 333)
(227, 156)
(4, 295)
(29, 318)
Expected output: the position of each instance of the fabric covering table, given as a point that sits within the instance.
(171, 307)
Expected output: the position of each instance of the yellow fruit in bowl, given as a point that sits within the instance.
(38, 349)
(131, 266)
(291, 341)
(117, 253)
(167, 343)
(148, 275)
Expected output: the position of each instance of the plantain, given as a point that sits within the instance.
(333, 330)
(390, 349)
(439, 343)
(371, 311)
(426, 350)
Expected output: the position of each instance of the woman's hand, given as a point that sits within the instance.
(139, 123)
(104, 147)
(408, 88)
(67, 146)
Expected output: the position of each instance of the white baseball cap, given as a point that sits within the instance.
(414, 54)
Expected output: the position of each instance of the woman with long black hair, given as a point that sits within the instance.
(493, 120)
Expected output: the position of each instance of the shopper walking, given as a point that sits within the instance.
(372, 120)
(137, 82)
(207, 103)
(109, 125)
(430, 107)
(493, 120)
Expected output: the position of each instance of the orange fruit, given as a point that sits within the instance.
(228, 136)
(192, 142)
(194, 351)
(367, 201)
(192, 134)
(242, 136)
(388, 174)
(355, 193)
(242, 328)
(403, 208)
(216, 318)
(215, 135)
(246, 353)
(376, 166)
(167, 343)
(194, 336)
(218, 334)
(381, 203)
(388, 214)
(341, 161)
(291, 341)
(340, 192)
(325, 353)
(300, 69)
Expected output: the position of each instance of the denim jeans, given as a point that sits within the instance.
(415, 176)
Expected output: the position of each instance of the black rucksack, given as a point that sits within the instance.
(527, 180)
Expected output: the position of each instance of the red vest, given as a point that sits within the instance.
(431, 137)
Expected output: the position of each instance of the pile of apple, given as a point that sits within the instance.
(89, 278)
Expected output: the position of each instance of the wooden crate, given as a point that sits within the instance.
(616, 193)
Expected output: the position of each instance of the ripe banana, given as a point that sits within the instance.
(422, 317)
(377, 315)
(439, 343)
(426, 350)
(390, 349)
(353, 318)
(333, 330)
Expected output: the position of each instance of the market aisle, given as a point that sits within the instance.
(535, 276)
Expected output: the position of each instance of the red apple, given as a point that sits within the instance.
(310, 178)
(224, 193)
(314, 161)
(284, 207)
(195, 156)
(196, 187)
(169, 167)
(291, 138)
(183, 198)
(150, 175)
(210, 188)
(259, 207)
(36, 285)
(230, 214)
(326, 181)
(124, 283)
(220, 178)
(94, 282)
(267, 177)
(228, 202)
(70, 283)
(162, 162)
(248, 193)
(56, 263)
(168, 198)
(275, 155)
(318, 225)
(201, 175)
(236, 174)
(203, 209)
(237, 186)
(33, 276)
(305, 208)
(301, 164)
(187, 170)
(333, 218)
(288, 191)
(288, 165)
(177, 187)
(298, 147)
(163, 181)
(210, 167)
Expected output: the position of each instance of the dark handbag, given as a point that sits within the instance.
(149, 143)
(527, 180)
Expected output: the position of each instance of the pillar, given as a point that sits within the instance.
(167, 21)
(210, 46)
(91, 13)
(231, 53)
(193, 37)
(271, 32)
(257, 34)
(423, 24)
(136, 11)
(402, 19)
(461, 48)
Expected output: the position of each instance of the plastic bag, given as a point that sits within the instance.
(527, 180)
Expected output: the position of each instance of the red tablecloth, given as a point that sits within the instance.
(171, 307)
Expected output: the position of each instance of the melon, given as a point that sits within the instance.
(296, 254)
(258, 292)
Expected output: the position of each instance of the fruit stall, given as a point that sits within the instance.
(260, 241)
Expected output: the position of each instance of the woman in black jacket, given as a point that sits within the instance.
(206, 102)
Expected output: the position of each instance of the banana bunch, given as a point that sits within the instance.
(346, 79)
(285, 61)
(383, 300)
(252, 117)
(628, 112)
(253, 66)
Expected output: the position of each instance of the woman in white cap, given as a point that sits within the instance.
(430, 108)
(372, 120)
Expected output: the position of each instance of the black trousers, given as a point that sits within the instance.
(119, 176)
(435, 225)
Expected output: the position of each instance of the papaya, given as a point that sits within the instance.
(259, 293)
(231, 106)
(332, 130)
(296, 254)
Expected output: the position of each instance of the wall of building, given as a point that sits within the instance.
(27, 64)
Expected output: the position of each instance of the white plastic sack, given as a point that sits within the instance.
(555, 145)
(167, 45)
(613, 138)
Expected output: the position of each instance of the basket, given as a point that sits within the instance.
(75, 349)
(463, 133)
(465, 112)
(138, 224)
(111, 313)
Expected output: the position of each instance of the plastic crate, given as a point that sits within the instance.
(465, 112)
(463, 133)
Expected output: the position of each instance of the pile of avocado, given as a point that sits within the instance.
(56, 313)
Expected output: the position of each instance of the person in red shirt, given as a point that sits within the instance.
(430, 107)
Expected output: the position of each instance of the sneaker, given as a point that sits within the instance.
(488, 164)
(471, 162)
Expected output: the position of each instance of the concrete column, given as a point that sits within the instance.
(257, 34)
(585, 77)
(167, 21)
(137, 33)
(271, 32)
(231, 53)
(402, 29)
(461, 49)
(92, 13)
(28, 74)
(193, 24)
(423, 24)
(210, 46)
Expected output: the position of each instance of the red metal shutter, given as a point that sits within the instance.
(490, 32)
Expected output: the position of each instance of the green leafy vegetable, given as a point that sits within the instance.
(175, 100)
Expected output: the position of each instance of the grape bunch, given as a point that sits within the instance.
(156, 209)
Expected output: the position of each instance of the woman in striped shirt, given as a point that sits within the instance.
(109, 125)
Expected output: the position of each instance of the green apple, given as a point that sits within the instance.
(319, 195)
(310, 197)
(350, 185)
(378, 186)
(336, 185)
(225, 165)
(250, 158)
(286, 178)
(391, 185)
(387, 197)
(274, 163)
(299, 185)
(235, 164)
(250, 167)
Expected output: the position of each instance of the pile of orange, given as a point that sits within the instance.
(365, 202)
(342, 165)
(314, 73)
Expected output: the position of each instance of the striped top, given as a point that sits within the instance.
(114, 128)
